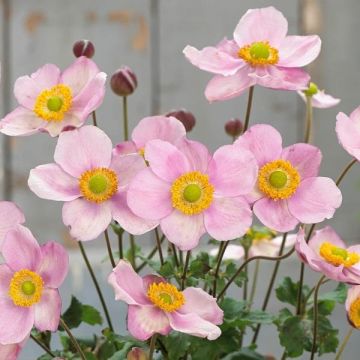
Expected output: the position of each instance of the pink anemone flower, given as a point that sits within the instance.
(150, 128)
(319, 99)
(53, 101)
(352, 306)
(260, 54)
(348, 132)
(11, 351)
(328, 254)
(92, 184)
(29, 282)
(190, 192)
(10, 217)
(157, 307)
(288, 189)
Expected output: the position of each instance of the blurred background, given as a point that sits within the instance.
(149, 37)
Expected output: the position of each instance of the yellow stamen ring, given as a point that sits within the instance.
(26, 288)
(192, 193)
(98, 185)
(165, 296)
(338, 256)
(354, 313)
(259, 53)
(278, 179)
(52, 104)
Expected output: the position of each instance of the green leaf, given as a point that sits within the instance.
(338, 295)
(232, 308)
(200, 265)
(167, 269)
(287, 291)
(90, 315)
(121, 354)
(244, 354)
(177, 344)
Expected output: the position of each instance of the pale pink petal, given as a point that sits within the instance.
(164, 128)
(21, 250)
(266, 24)
(27, 88)
(11, 351)
(193, 324)
(54, 264)
(16, 322)
(201, 303)
(264, 141)
(130, 222)
(47, 311)
(326, 234)
(264, 247)
(324, 101)
(315, 200)
(90, 144)
(233, 171)
(151, 279)
(78, 74)
(183, 230)
(21, 122)
(165, 160)
(213, 60)
(228, 46)
(51, 182)
(221, 87)
(232, 252)
(125, 148)
(275, 214)
(227, 218)
(298, 51)
(86, 220)
(305, 252)
(71, 121)
(149, 197)
(10, 217)
(145, 321)
(6, 275)
(305, 158)
(290, 240)
(352, 295)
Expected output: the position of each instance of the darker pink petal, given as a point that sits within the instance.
(10, 217)
(125, 148)
(47, 311)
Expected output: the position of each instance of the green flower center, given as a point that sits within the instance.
(98, 184)
(311, 90)
(28, 288)
(278, 179)
(192, 193)
(259, 50)
(340, 252)
(55, 103)
(166, 298)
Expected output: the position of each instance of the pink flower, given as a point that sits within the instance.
(288, 189)
(92, 181)
(352, 306)
(190, 193)
(327, 253)
(318, 97)
(11, 351)
(10, 217)
(348, 132)
(150, 128)
(51, 101)
(156, 306)
(29, 282)
(260, 54)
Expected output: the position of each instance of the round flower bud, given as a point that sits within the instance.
(137, 353)
(185, 117)
(123, 82)
(311, 90)
(84, 48)
(234, 127)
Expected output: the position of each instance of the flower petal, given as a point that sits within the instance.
(71, 121)
(10, 217)
(11, 351)
(228, 218)
(86, 220)
(315, 200)
(50, 182)
(6, 274)
(47, 311)
(90, 144)
(232, 252)
(305, 252)
(352, 295)
(326, 234)
(298, 51)
(125, 148)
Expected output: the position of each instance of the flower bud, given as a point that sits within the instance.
(311, 90)
(185, 117)
(234, 127)
(123, 82)
(84, 48)
(137, 353)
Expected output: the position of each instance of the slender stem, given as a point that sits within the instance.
(308, 296)
(125, 119)
(344, 343)
(152, 346)
(173, 248)
(108, 245)
(158, 242)
(43, 346)
(132, 250)
(248, 108)
(94, 118)
(221, 252)
(345, 171)
(255, 279)
(271, 285)
(121, 247)
(259, 257)
(315, 320)
(246, 275)
(73, 340)
(181, 257)
(151, 255)
(183, 277)
(284, 355)
(309, 119)
(96, 284)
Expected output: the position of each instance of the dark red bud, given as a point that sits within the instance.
(184, 116)
(84, 48)
(234, 127)
(123, 82)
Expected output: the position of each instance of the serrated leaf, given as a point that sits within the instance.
(91, 316)
(72, 316)
(177, 344)
(167, 269)
(338, 295)
(287, 291)
(232, 308)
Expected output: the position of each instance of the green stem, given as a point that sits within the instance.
(345, 171)
(315, 320)
(43, 346)
(96, 284)
(309, 118)
(183, 277)
(73, 340)
(121, 247)
(173, 248)
(246, 274)
(221, 252)
(255, 279)
(151, 255)
(284, 355)
(94, 118)
(158, 243)
(132, 250)
(248, 108)
(344, 343)
(152, 346)
(108, 245)
(125, 119)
